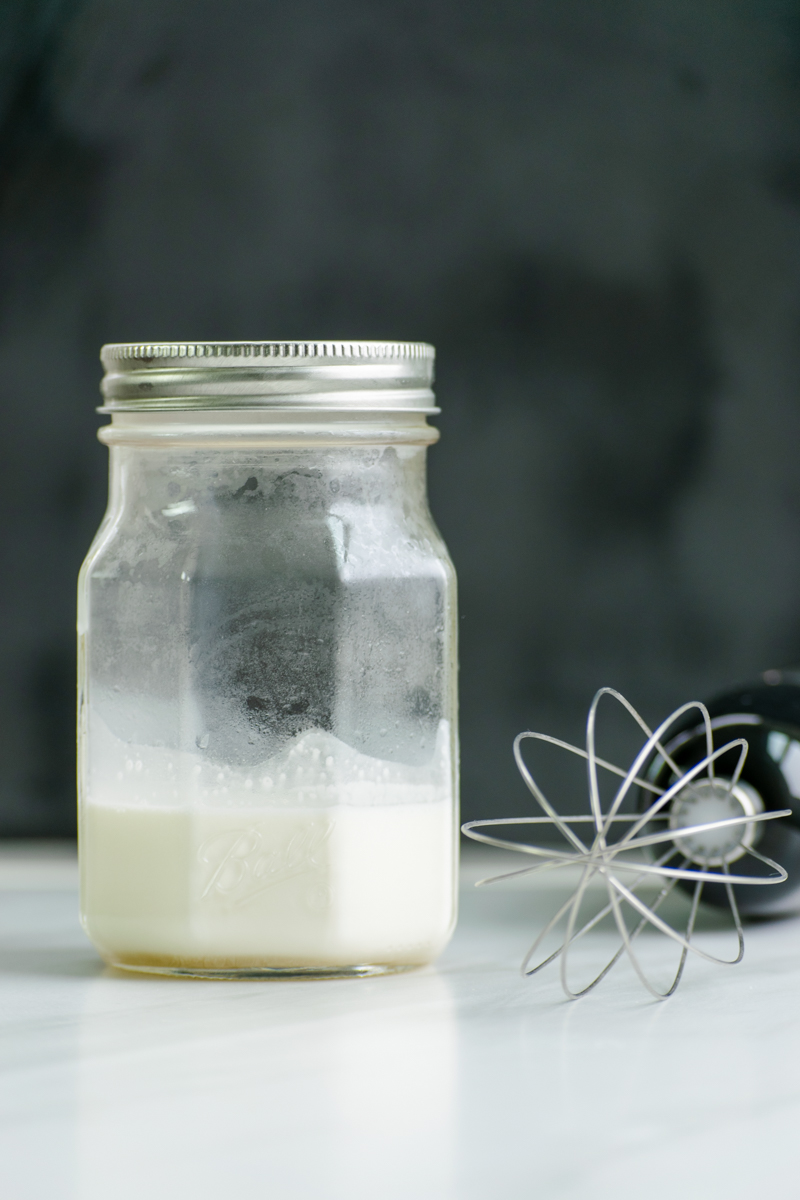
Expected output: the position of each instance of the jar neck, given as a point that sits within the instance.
(175, 478)
(265, 428)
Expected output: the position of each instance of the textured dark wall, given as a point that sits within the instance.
(591, 208)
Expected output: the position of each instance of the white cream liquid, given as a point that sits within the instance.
(322, 858)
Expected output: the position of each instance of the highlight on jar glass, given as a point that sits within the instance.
(268, 759)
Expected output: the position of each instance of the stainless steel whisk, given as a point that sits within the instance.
(708, 821)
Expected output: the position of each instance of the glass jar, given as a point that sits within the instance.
(267, 682)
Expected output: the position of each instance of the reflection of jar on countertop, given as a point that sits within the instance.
(267, 726)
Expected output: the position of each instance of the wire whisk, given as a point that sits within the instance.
(706, 822)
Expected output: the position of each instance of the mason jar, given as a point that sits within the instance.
(267, 682)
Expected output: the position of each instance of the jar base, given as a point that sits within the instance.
(199, 972)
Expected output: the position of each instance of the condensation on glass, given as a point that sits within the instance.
(267, 644)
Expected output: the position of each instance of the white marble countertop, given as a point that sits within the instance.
(461, 1080)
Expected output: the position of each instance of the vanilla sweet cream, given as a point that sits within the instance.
(319, 858)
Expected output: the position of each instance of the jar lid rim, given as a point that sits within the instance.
(144, 352)
(348, 376)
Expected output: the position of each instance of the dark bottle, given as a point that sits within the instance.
(766, 713)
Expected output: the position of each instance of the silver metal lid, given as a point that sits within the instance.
(360, 376)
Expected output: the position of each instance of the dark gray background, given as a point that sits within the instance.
(591, 207)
